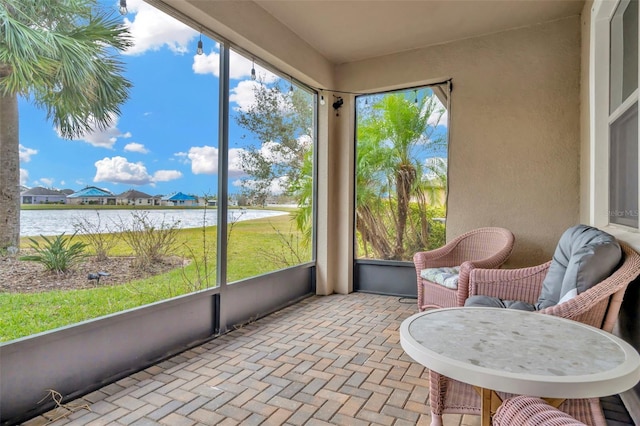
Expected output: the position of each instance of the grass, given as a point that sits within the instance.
(254, 248)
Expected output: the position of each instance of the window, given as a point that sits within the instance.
(401, 172)
(623, 115)
(614, 113)
(271, 158)
(168, 145)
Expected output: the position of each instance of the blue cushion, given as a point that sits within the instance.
(446, 276)
(494, 302)
(584, 256)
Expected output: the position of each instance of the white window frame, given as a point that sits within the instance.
(601, 14)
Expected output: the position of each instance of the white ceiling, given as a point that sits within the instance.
(352, 30)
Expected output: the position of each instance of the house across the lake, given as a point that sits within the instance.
(40, 195)
(179, 199)
(92, 195)
(134, 198)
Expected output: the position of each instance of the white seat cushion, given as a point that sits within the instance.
(445, 276)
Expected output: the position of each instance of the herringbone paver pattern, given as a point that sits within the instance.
(326, 360)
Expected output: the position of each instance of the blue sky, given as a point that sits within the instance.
(165, 140)
(166, 137)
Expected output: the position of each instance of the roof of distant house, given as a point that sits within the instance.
(179, 196)
(91, 191)
(67, 191)
(39, 190)
(132, 194)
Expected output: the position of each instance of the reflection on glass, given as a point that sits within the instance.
(624, 53)
(401, 173)
(623, 169)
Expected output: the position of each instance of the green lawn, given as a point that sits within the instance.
(255, 247)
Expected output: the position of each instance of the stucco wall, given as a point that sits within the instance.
(515, 127)
(585, 131)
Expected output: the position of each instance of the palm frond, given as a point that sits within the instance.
(63, 55)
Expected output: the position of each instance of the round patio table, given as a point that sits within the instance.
(520, 352)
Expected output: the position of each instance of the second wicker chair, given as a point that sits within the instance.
(480, 248)
(531, 411)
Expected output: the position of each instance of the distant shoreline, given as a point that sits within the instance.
(129, 207)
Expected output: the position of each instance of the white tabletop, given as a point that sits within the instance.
(521, 352)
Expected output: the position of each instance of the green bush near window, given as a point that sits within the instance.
(57, 254)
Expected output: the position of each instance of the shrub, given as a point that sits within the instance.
(99, 236)
(148, 241)
(57, 254)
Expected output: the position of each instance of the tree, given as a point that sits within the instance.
(61, 55)
(395, 187)
(390, 174)
(282, 123)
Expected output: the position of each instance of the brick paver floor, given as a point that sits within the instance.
(326, 360)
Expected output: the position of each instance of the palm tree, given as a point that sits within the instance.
(61, 55)
(390, 135)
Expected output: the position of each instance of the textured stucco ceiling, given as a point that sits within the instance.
(351, 30)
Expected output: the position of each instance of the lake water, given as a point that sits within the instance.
(55, 222)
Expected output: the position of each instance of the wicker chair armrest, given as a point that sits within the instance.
(522, 284)
(599, 305)
(527, 410)
(442, 256)
(467, 246)
(463, 281)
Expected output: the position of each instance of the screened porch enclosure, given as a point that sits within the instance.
(521, 155)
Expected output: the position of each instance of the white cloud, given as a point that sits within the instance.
(26, 153)
(207, 64)
(243, 94)
(24, 177)
(120, 170)
(166, 175)
(276, 187)
(104, 138)
(279, 185)
(45, 182)
(204, 160)
(136, 147)
(239, 67)
(269, 150)
(182, 157)
(153, 29)
(235, 162)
